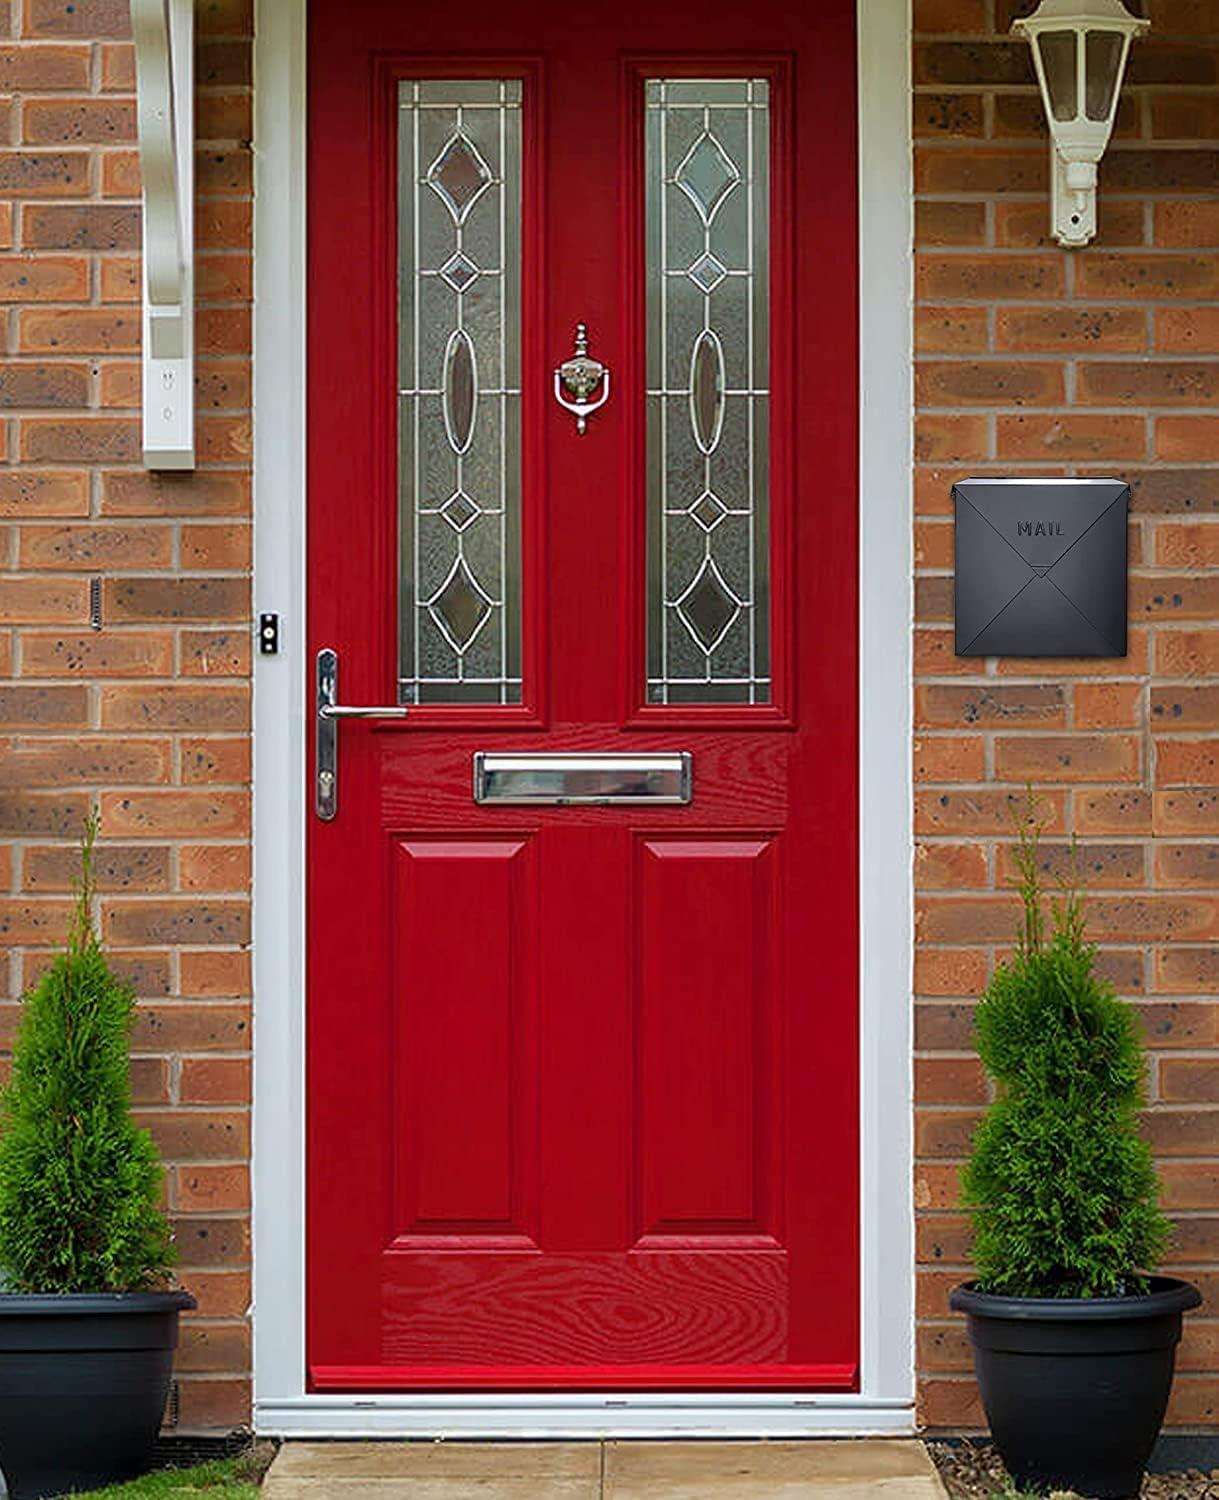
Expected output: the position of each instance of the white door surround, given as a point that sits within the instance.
(885, 1403)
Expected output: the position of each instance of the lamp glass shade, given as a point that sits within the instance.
(1103, 61)
(1061, 71)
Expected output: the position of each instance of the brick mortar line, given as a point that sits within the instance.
(1054, 256)
(1106, 840)
(1042, 358)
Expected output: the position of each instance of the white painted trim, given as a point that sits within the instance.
(886, 664)
(279, 700)
(885, 1403)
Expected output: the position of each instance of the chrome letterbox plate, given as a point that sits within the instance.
(583, 780)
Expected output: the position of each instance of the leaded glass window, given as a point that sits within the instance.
(707, 160)
(459, 464)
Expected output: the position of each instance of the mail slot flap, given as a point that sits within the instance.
(589, 779)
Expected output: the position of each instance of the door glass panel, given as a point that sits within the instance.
(459, 338)
(707, 212)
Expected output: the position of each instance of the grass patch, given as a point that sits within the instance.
(1014, 1494)
(224, 1479)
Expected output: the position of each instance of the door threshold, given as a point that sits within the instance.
(583, 1415)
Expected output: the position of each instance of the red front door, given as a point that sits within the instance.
(582, 1090)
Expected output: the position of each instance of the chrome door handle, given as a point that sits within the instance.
(350, 711)
(326, 731)
(581, 375)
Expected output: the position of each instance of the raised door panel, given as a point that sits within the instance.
(707, 1089)
(461, 998)
(608, 1316)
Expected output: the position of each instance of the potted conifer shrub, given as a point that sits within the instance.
(88, 1323)
(1074, 1340)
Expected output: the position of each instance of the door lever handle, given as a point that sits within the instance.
(326, 731)
(352, 711)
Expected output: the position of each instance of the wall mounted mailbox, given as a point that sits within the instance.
(1041, 567)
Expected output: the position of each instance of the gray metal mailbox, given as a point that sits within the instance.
(1041, 567)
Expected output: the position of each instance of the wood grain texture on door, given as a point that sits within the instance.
(582, 1080)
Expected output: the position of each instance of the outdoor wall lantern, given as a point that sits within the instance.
(1080, 49)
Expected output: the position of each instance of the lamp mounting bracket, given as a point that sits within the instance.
(163, 33)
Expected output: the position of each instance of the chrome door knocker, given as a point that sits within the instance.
(581, 375)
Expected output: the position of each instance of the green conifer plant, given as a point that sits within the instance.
(80, 1184)
(1060, 1184)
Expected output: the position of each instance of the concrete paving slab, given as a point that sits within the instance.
(435, 1471)
(437, 1460)
(836, 1470)
(485, 1488)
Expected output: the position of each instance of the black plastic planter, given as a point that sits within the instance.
(83, 1382)
(1075, 1388)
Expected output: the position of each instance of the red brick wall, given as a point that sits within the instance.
(1035, 360)
(146, 717)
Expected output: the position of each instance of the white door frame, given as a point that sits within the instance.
(886, 1401)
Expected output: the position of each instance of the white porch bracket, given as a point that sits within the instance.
(163, 31)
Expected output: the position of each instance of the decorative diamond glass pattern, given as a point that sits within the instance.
(707, 215)
(460, 607)
(459, 340)
(708, 510)
(460, 176)
(460, 511)
(707, 272)
(708, 607)
(459, 271)
(707, 175)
